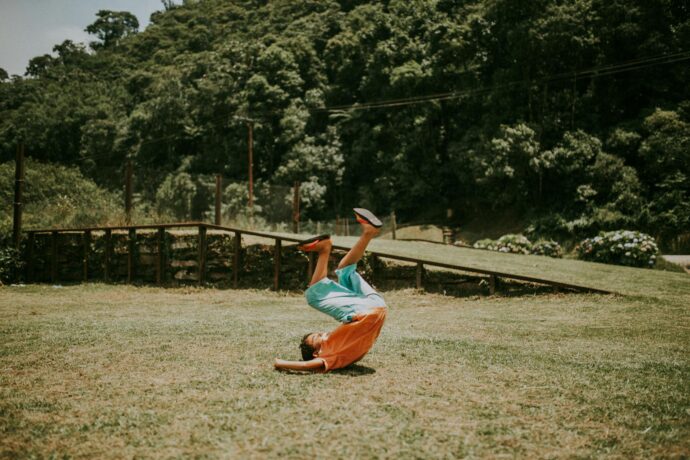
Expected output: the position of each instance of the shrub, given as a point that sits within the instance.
(486, 243)
(519, 244)
(621, 247)
(10, 264)
(516, 244)
(57, 196)
(548, 248)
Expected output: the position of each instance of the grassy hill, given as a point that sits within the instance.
(596, 276)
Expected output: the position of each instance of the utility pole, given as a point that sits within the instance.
(18, 189)
(295, 208)
(250, 151)
(219, 189)
(250, 126)
(128, 192)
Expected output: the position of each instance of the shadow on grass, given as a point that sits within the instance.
(355, 370)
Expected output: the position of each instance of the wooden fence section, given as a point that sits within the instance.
(202, 233)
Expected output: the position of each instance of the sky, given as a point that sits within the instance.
(30, 28)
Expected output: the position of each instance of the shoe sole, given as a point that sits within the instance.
(366, 216)
(313, 241)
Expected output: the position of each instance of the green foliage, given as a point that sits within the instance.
(520, 244)
(516, 244)
(513, 131)
(665, 152)
(622, 247)
(11, 264)
(111, 27)
(548, 248)
(57, 196)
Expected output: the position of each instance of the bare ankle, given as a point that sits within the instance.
(324, 246)
(370, 230)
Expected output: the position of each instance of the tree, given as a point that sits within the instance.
(111, 27)
(39, 65)
(665, 151)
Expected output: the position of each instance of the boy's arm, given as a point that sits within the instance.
(312, 365)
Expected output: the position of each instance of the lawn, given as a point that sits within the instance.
(597, 276)
(116, 371)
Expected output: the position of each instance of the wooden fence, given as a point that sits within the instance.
(202, 230)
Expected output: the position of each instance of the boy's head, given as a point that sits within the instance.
(311, 344)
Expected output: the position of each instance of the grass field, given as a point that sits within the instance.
(589, 275)
(116, 371)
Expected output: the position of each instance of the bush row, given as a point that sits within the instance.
(620, 247)
(520, 244)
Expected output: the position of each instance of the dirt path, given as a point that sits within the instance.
(682, 260)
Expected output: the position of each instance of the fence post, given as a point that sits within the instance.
(18, 189)
(87, 251)
(107, 253)
(53, 261)
(420, 272)
(130, 254)
(276, 264)
(30, 258)
(236, 259)
(493, 284)
(160, 248)
(202, 254)
(394, 224)
(219, 188)
(447, 235)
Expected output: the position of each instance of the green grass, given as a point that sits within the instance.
(115, 371)
(610, 278)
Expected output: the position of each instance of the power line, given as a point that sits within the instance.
(593, 72)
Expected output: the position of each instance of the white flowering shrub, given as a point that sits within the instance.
(621, 247)
(516, 244)
(519, 244)
(548, 248)
(486, 243)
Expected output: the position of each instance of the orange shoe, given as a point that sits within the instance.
(311, 243)
(364, 216)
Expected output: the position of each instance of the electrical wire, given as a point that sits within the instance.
(593, 72)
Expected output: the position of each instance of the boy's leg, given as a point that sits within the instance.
(355, 254)
(323, 249)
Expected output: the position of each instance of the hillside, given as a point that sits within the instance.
(573, 115)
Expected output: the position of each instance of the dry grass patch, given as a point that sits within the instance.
(115, 371)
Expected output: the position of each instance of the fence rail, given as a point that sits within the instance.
(203, 229)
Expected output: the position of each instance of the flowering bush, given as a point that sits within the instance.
(486, 243)
(622, 247)
(519, 244)
(548, 248)
(516, 244)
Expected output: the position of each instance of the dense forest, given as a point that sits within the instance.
(571, 116)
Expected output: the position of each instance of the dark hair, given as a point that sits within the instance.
(306, 349)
